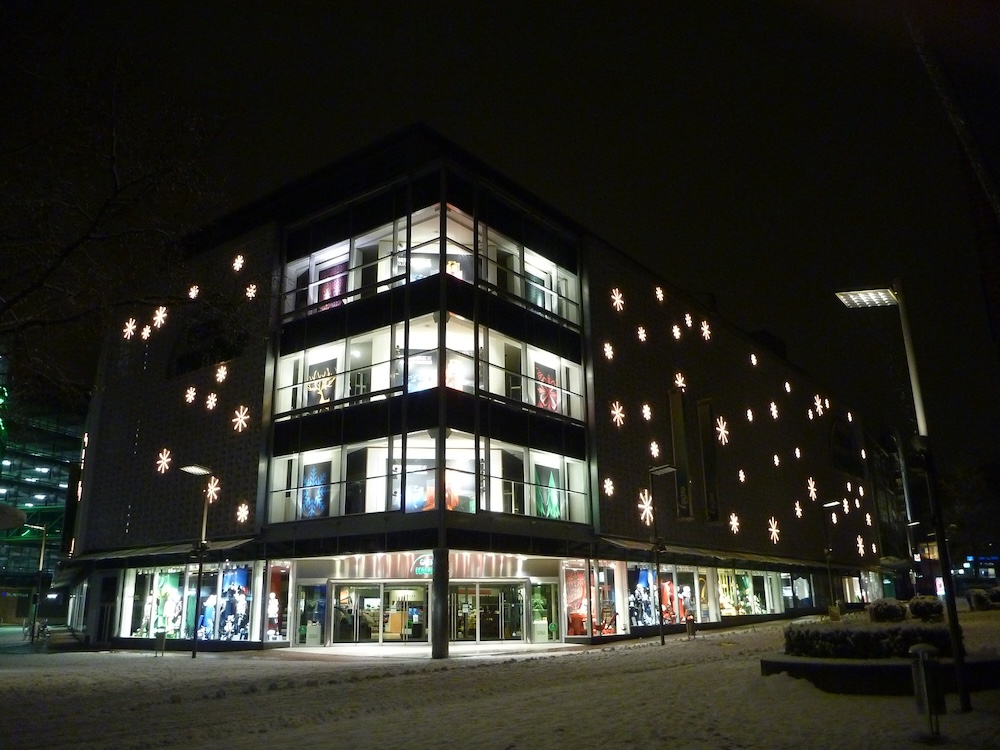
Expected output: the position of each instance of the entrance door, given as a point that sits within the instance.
(404, 613)
(356, 614)
(501, 612)
(462, 618)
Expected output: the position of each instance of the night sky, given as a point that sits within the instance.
(758, 155)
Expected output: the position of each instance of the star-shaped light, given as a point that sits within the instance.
(654, 449)
(617, 299)
(818, 405)
(659, 294)
(679, 382)
(641, 333)
(190, 394)
(647, 413)
(753, 360)
(211, 401)
(221, 373)
(163, 461)
(722, 430)
(688, 320)
(609, 487)
(774, 410)
(243, 513)
(742, 475)
(160, 316)
(146, 332)
(241, 419)
(646, 507)
(798, 509)
(868, 519)
(772, 529)
(734, 523)
(609, 351)
(706, 332)
(251, 291)
(861, 546)
(193, 292)
(237, 262)
(617, 413)
(676, 330)
(811, 488)
(129, 330)
(212, 489)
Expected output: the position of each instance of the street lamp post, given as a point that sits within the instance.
(828, 552)
(658, 471)
(200, 547)
(41, 569)
(893, 297)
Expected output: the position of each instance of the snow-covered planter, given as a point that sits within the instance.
(979, 599)
(994, 595)
(887, 610)
(854, 639)
(926, 607)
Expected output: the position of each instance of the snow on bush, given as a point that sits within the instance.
(856, 639)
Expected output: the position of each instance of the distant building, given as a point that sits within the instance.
(432, 410)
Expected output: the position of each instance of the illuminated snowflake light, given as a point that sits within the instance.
(647, 413)
(160, 316)
(753, 360)
(706, 332)
(676, 330)
(646, 507)
(722, 430)
(641, 333)
(861, 491)
(609, 487)
(251, 291)
(850, 417)
(241, 419)
(734, 523)
(833, 518)
(788, 387)
(742, 475)
(654, 449)
(659, 294)
(864, 454)
(868, 519)
(749, 415)
(688, 320)
(609, 351)
(211, 401)
(129, 330)
(798, 453)
(826, 402)
(811, 488)
(798, 509)
(810, 413)
(774, 410)
(163, 461)
(617, 299)
(618, 414)
(243, 513)
(772, 529)
(777, 461)
(874, 549)
(221, 373)
(847, 507)
(818, 405)
(679, 381)
(848, 486)
(146, 333)
(190, 394)
(238, 263)
(861, 546)
(857, 503)
(193, 292)
(213, 489)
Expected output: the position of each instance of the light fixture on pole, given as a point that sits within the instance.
(658, 471)
(200, 545)
(41, 569)
(893, 297)
(828, 552)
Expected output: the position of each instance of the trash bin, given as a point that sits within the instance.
(691, 626)
(927, 688)
(159, 642)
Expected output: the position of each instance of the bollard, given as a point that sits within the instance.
(927, 688)
(691, 626)
(160, 643)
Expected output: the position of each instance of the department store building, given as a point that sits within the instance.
(426, 408)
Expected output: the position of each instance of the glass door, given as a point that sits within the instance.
(544, 609)
(501, 612)
(404, 613)
(356, 614)
(462, 620)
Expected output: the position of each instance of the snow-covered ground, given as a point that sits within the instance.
(703, 693)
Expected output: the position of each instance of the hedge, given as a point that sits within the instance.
(861, 640)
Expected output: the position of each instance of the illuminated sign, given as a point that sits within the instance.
(423, 565)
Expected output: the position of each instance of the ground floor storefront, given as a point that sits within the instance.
(399, 598)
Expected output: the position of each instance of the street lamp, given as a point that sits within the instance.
(200, 546)
(657, 471)
(41, 568)
(828, 552)
(893, 297)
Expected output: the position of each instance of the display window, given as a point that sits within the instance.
(276, 612)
